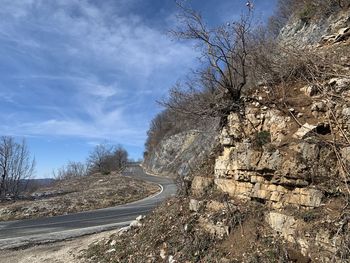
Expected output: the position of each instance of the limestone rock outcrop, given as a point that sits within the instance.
(281, 158)
(267, 156)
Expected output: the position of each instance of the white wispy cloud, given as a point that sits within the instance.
(99, 68)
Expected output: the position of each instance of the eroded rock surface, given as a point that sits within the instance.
(179, 153)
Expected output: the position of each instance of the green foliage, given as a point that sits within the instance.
(262, 138)
(309, 216)
(307, 13)
(106, 172)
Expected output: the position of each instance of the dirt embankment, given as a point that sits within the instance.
(76, 195)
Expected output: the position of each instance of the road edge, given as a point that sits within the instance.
(28, 241)
(20, 242)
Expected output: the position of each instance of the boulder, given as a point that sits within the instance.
(283, 224)
(304, 130)
(123, 230)
(215, 206)
(135, 224)
(328, 38)
(319, 106)
(163, 253)
(339, 83)
(346, 115)
(113, 242)
(227, 141)
(140, 218)
(171, 259)
(200, 184)
(195, 205)
(217, 230)
(343, 34)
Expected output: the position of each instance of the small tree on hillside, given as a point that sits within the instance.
(225, 51)
(105, 159)
(121, 157)
(16, 166)
(71, 170)
(97, 158)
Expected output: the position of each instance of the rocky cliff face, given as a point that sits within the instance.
(177, 155)
(284, 163)
(294, 160)
(301, 32)
(292, 166)
(284, 159)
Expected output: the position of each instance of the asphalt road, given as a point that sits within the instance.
(42, 230)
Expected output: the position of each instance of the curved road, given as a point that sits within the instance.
(27, 232)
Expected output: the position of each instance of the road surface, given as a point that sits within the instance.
(26, 232)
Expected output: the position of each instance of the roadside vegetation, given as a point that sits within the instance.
(16, 168)
(78, 194)
(77, 186)
(103, 159)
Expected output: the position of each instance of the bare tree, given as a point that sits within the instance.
(224, 49)
(16, 166)
(97, 158)
(71, 170)
(121, 157)
(194, 101)
(105, 158)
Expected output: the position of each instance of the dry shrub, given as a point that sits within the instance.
(70, 171)
(273, 63)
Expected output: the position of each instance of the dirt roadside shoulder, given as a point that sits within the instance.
(59, 252)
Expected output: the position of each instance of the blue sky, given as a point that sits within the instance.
(75, 73)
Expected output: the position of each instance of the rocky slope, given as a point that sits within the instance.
(291, 154)
(293, 157)
(303, 30)
(285, 161)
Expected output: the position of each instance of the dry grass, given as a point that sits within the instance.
(171, 228)
(175, 232)
(79, 194)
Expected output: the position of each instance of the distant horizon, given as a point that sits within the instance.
(77, 73)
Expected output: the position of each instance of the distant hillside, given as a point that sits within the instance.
(33, 184)
(40, 182)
